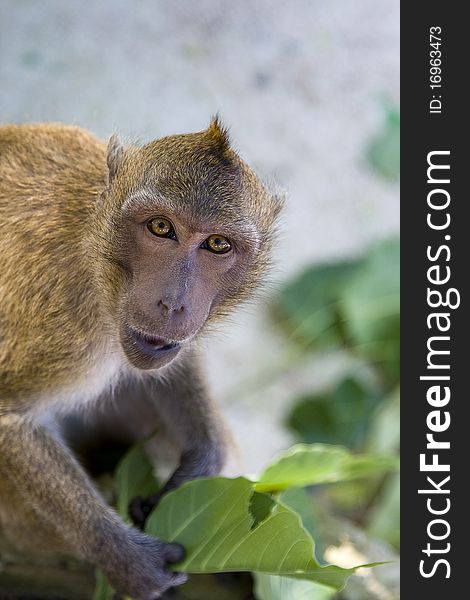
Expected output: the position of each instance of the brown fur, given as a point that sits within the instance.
(81, 281)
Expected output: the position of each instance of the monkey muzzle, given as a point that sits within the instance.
(148, 351)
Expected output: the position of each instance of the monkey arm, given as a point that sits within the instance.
(193, 420)
(47, 492)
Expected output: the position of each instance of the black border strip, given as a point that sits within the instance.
(424, 132)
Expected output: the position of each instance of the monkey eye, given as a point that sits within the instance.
(217, 244)
(161, 227)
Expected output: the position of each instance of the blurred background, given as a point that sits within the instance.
(310, 91)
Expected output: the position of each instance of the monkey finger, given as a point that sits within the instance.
(140, 508)
(179, 579)
(174, 553)
(136, 511)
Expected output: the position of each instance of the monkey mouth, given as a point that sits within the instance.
(152, 345)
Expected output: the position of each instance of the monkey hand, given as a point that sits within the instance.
(193, 465)
(139, 566)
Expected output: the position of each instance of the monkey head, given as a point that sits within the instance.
(187, 231)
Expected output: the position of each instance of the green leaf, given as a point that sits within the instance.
(308, 307)
(103, 591)
(342, 416)
(212, 519)
(275, 587)
(134, 477)
(301, 501)
(313, 464)
(384, 517)
(354, 303)
(233, 525)
(261, 505)
(371, 309)
(384, 432)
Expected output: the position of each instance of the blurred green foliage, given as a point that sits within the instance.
(308, 307)
(341, 416)
(354, 307)
(370, 307)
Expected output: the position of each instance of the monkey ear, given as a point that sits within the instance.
(115, 155)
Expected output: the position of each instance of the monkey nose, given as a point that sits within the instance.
(170, 307)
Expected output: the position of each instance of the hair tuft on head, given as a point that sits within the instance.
(219, 133)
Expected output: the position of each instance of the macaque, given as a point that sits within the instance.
(114, 261)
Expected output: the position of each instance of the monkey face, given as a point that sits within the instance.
(181, 273)
(190, 225)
